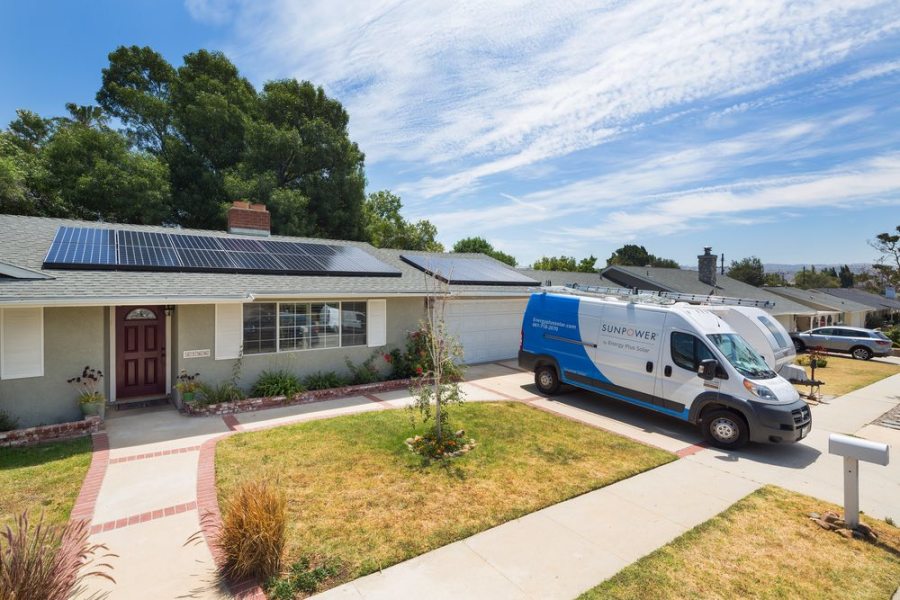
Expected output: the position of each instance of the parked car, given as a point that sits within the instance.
(858, 342)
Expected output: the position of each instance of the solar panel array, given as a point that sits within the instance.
(124, 249)
(470, 271)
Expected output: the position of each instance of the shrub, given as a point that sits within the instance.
(414, 360)
(252, 535)
(324, 380)
(7, 423)
(215, 394)
(367, 372)
(806, 361)
(277, 383)
(45, 561)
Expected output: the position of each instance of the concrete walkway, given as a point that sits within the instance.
(146, 507)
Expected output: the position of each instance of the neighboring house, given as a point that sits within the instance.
(830, 310)
(705, 281)
(548, 278)
(74, 293)
(883, 308)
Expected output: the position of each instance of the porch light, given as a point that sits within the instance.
(169, 308)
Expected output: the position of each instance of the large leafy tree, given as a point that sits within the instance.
(637, 256)
(482, 246)
(386, 227)
(846, 276)
(566, 263)
(811, 278)
(749, 270)
(888, 264)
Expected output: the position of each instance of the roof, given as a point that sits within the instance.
(819, 300)
(24, 242)
(688, 282)
(873, 301)
(565, 277)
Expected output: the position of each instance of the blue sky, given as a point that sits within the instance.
(759, 128)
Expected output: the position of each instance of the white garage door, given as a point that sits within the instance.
(487, 329)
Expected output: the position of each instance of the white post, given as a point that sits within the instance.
(851, 492)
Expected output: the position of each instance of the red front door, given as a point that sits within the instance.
(140, 351)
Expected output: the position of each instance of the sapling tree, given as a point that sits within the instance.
(436, 387)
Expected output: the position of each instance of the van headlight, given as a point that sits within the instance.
(760, 391)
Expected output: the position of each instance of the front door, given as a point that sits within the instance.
(140, 351)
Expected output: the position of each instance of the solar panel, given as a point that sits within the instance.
(130, 249)
(82, 246)
(471, 271)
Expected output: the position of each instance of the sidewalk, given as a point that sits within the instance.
(565, 549)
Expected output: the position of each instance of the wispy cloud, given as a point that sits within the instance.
(476, 89)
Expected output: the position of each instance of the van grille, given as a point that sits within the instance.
(801, 415)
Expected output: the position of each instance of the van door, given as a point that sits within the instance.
(680, 383)
(628, 351)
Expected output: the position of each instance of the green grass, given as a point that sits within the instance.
(359, 498)
(844, 375)
(42, 478)
(764, 546)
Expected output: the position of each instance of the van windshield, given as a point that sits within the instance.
(742, 356)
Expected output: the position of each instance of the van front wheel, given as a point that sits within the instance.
(546, 380)
(725, 429)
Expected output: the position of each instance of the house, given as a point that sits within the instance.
(705, 281)
(141, 303)
(883, 308)
(830, 310)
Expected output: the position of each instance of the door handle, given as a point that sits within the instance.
(668, 371)
(649, 367)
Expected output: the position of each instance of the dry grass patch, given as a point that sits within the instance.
(359, 498)
(42, 478)
(843, 375)
(764, 546)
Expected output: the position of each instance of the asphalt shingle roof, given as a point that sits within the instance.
(688, 282)
(564, 277)
(819, 300)
(863, 297)
(24, 242)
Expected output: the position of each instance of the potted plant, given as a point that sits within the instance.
(90, 398)
(187, 385)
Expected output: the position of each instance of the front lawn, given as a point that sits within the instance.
(44, 478)
(358, 498)
(764, 546)
(844, 375)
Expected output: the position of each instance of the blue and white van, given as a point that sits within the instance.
(677, 359)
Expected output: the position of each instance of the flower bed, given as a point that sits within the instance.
(46, 433)
(252, 404)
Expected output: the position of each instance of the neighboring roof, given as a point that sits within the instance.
(24, 242)
(688, 282)
(820, 301)
(871, 300)
(565, 277)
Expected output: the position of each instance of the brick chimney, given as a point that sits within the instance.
(706, 264)
(249, 219)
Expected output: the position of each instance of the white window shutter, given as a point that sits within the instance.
(376, 330)
(21, 343)
(229, 330)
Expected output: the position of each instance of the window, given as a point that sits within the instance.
(353, 324)
(773, 329)
(21, 343)
(260, 331)
(688, 351)
(289, 326)
(742, 356)
(141, 314)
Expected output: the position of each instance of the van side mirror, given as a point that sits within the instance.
(707, 369)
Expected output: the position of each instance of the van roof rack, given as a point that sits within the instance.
(655, 297)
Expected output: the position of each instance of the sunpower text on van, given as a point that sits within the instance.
(684, 361)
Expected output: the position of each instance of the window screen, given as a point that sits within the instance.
(260, 330)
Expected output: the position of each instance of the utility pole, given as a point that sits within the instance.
(723, 263)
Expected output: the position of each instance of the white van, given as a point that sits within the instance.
(681, 360)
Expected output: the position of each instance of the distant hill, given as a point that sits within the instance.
(788, 270)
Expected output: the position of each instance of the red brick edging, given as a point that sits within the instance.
(147, 455)
(90, 488)
(150, 515)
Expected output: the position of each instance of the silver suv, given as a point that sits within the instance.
(858, 342)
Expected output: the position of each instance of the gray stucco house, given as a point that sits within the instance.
(141, 318)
